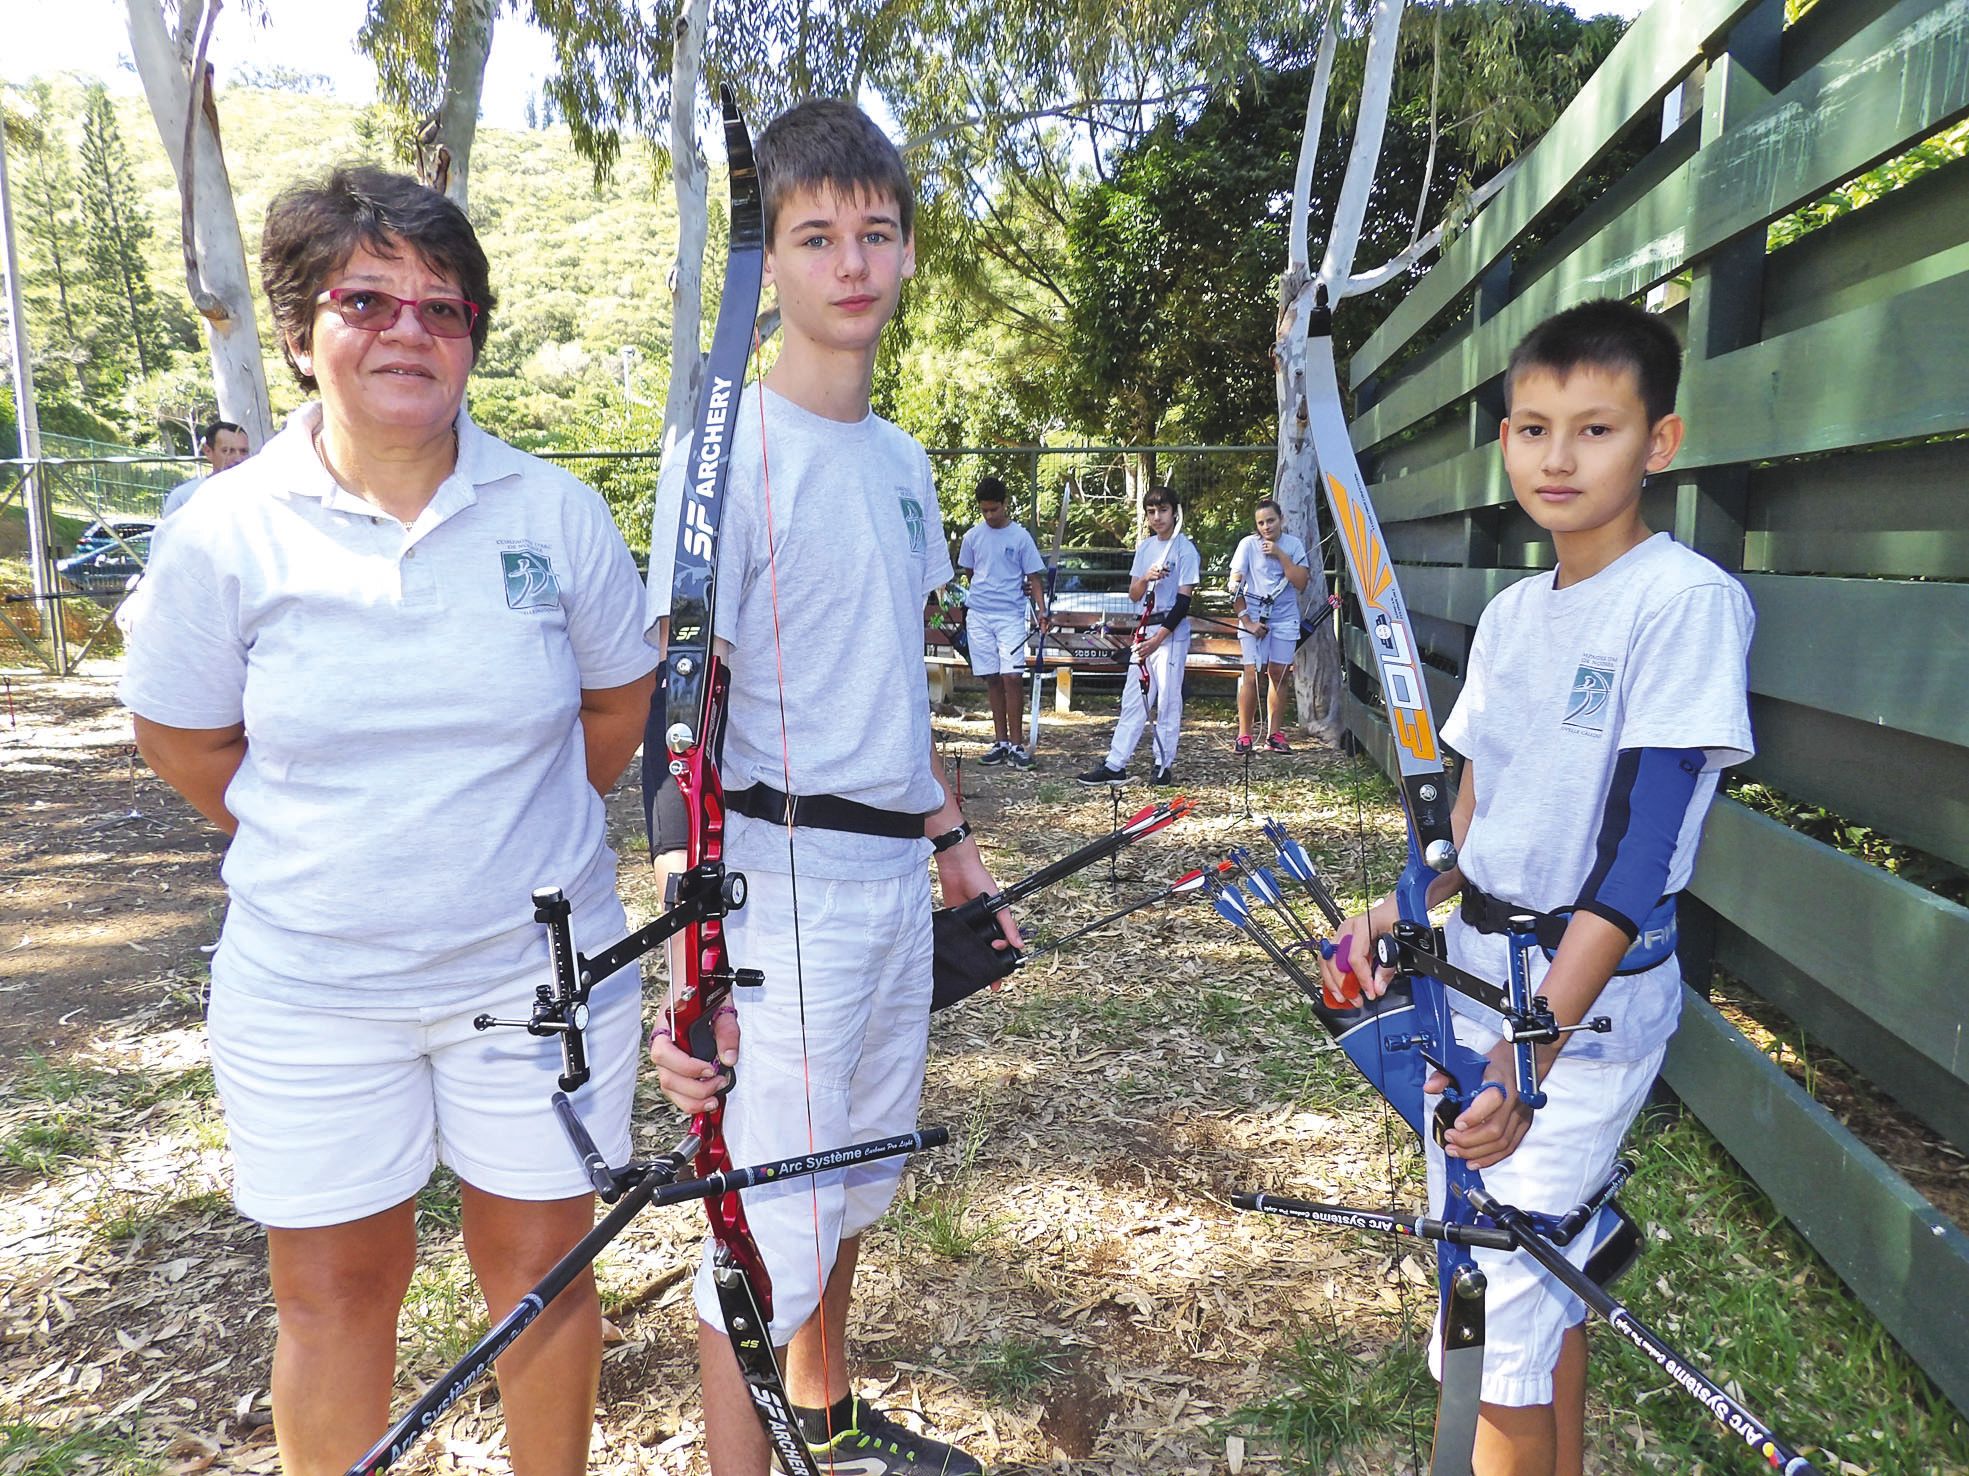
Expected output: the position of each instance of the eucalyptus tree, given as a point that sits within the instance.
(1499, 71)
(170, 56)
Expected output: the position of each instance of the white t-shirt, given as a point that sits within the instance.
(414, 764)
(1260, 578)
(1185, 566)
(857, 547)
(1651, 652)
(999, 561)
(179, 496)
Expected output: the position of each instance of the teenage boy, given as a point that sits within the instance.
(1004, 570)
(834, 1042)
(1601, 703)
(1267, 572)
(1165, 572)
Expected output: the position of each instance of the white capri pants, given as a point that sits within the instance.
(865, 950)
(1165, 692)
(1572, 1144)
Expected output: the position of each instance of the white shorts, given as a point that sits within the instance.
(1274, 647)
(865, 953)
(998, 642)
(1573, 1142)
(332, 1115)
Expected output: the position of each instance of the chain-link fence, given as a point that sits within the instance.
(98, 503)
(75, 529)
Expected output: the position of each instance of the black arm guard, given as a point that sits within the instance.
(1177, 613)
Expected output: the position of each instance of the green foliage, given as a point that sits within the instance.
(1340, 1399)
(115, 225)
(1924, 158)
(30, 1449)
(580, 270)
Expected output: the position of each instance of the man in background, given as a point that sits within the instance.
(224, 445)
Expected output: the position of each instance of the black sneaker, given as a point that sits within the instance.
(1164, 778)
(996, 754)
(878, 1446)
(1102, 774)
(1020, 756)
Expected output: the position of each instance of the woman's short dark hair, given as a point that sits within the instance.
(314, 227)
(826, 142)
(1264, 502)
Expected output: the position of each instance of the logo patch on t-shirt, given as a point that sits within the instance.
(912, 514)
(1592, 690)
(530, 581)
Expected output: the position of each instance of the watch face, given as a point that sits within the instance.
(579, 1015)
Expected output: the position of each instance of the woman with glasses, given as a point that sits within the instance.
(399, 663)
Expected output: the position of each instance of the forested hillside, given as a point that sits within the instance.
(580, 269)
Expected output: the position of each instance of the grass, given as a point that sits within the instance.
(1012, 1368)
(28, 1449)
(1726, 1282)
(1339, 1401)
(39, 1148)
(438, 1204)
(443, 1313)
(943, 1222)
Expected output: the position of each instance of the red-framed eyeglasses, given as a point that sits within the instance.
(373, 311)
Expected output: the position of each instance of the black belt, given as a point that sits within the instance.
(1488, 914)
(821, 812)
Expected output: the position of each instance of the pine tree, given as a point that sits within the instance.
(115, 224)
(47, 223)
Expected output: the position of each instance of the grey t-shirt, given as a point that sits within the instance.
(833, 610)
(1648, 653)
(1260, 578)
(999, 559)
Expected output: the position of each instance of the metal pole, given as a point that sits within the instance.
(40, 561)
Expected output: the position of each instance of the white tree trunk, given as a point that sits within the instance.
(688, 175)
(226, 301)
(1316, 667)
(464, 81)
(1370, 122)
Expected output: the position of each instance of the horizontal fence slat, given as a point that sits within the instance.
(1901, 513)
(1846, 114)
(1896, 82)
(1919, 1085)
(1914, 790)
(1919, 227)
(1877, 374)
(1903, 1258)
(1657, 51)
(1885, 946)
(1889, 652)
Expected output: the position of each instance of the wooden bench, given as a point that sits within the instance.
(1092, 645)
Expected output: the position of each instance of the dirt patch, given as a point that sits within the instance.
(1064, 1288)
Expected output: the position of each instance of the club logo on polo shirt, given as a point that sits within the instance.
(1592, 690)
(529, 577)
(912, 514)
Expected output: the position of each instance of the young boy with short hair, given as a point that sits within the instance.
(1601, 703)
(1004, 570)
(1166, 570)
(1267, 572)
(834, 1042)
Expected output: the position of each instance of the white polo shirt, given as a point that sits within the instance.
(414, 762)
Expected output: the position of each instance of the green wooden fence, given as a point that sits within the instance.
(1823, 380)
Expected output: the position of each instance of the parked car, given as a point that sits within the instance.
(108, 555)
(1094, 581)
